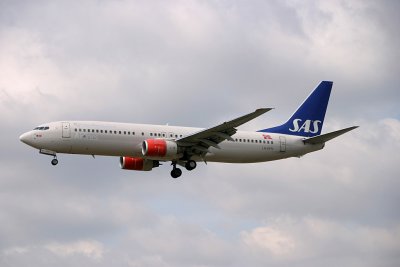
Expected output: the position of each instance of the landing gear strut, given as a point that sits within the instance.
(176, 172)
(54, 161)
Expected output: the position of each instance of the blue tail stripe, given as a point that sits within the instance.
(309, 117)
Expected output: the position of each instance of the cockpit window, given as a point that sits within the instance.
(42, 128)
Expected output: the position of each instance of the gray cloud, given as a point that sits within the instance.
(197, 64)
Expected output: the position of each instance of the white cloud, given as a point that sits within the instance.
(342, 38)
(273, 240)
(15, 250)
(291, 240)
(89, 248)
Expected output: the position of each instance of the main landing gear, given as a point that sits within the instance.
(176, 172)
(189, 165)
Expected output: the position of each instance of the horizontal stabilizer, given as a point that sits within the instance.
(326, 137)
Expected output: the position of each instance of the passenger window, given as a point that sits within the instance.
(133, 133)
(129, 133)
(97, 131)
(151, 134)
(79, 129)
(76, 130)
(84, 130)
(176, 136)
(101, 131)
(115, 132)
(124, 132)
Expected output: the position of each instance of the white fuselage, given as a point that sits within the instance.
(125, 139)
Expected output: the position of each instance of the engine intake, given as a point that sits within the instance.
(159, 148)
(137, 164)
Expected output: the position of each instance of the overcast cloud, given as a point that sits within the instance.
(198, 63)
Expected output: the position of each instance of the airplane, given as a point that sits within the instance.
(142, 147)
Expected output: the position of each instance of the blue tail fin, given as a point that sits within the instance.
(309, 117)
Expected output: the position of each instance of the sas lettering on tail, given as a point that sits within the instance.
(306, 126)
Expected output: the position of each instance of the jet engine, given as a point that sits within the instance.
(137, 164)
(159, 148)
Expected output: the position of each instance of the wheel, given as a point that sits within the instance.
(176, 172)
(54, 162)
(190, 165)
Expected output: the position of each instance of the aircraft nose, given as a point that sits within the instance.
(25, 138)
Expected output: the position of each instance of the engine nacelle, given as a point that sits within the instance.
(137, 164)
(159, 148)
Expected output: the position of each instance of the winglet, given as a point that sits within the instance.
(326, 137)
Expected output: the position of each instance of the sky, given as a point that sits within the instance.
(199, 63)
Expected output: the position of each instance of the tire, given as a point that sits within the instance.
(176, 172)
(190, 165)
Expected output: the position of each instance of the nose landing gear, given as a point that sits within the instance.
(54, 161)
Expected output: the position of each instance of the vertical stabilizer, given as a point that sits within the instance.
(309, 117)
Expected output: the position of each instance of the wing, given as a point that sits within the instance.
(198, 143)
